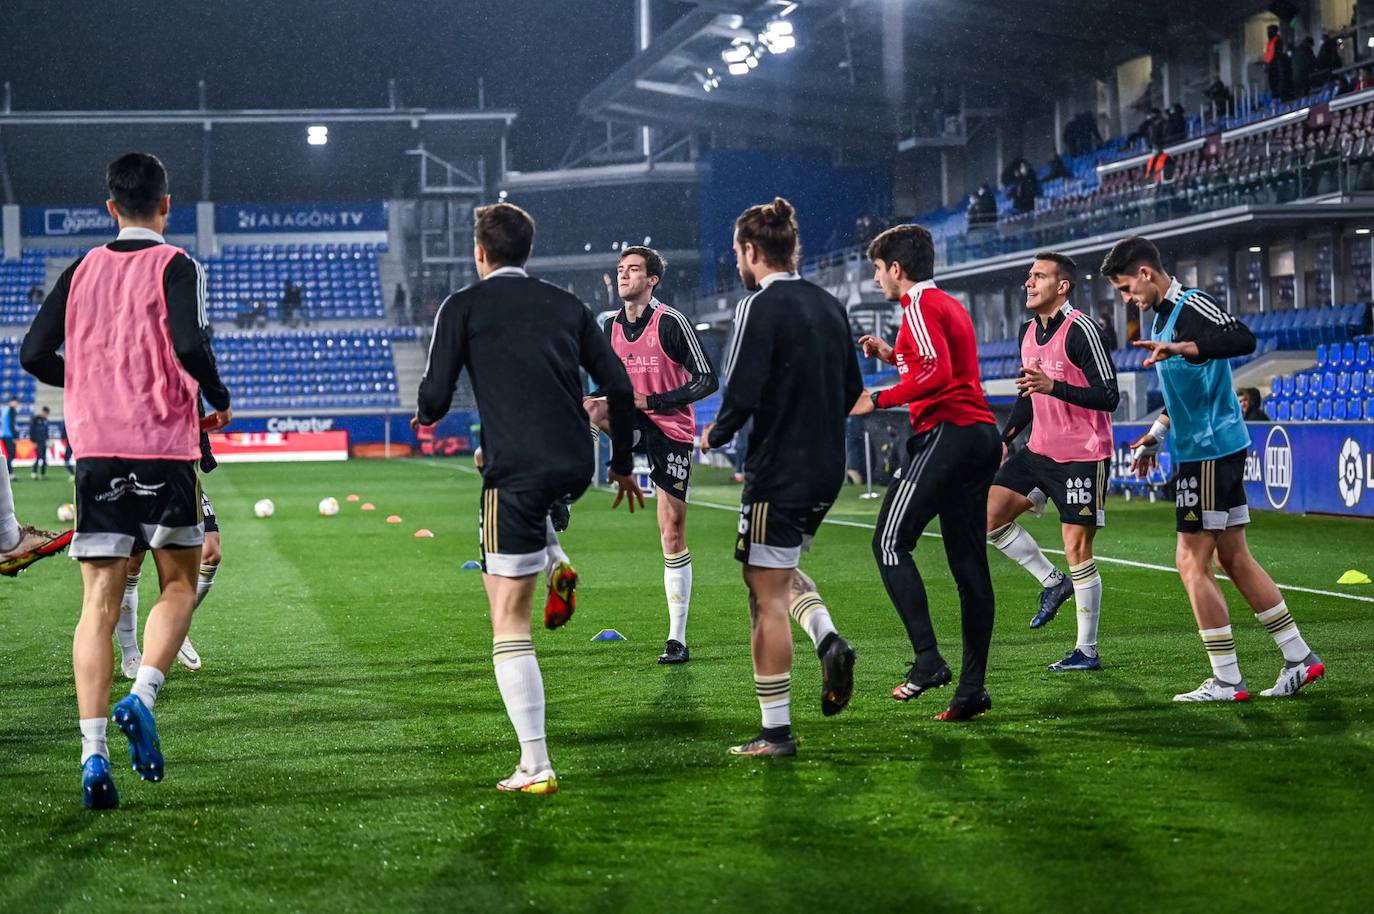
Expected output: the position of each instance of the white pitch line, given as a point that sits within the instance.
(1130, 563)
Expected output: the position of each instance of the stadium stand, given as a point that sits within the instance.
(338, 281)
(17, 277)
(342, 369)
(1340, 387)
(14, 380)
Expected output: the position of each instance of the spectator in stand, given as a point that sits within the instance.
(982, 207)
(1013, 170)
(1159, 167)
(243, 315)
(1081, 135)
(1363, 80)
(1304, 67)
(36, 295)
(1328, 58)
(1251, 405)
(1175, 125)
(1025, 188)
(1151, 130)
(259, 314)
(1058, 168)
(398, 304)
(1275, 64)
(1104, 320)
(1220, 97)
(290, 306)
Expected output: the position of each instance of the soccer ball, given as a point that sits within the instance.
(66, 513)
(264, 507)
(329, 506)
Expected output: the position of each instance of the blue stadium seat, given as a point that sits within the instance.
(1321, 356)
(1369, 408)
(1310, 411)
(1280, 412)
(1338, 410)
(1363, 358)
(1324, 410)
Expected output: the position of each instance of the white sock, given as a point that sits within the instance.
(775, 699)
(147, 684)
(205, 582)
(9, 524)
(1281, 626)
(552, 548)
(1087, 593)
(126, 629)
(93, 738)
(1018, 545)
(677, 584)
(809, 611)
(522, 691)
(1221, 650)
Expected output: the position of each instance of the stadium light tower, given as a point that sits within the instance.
(317, 135)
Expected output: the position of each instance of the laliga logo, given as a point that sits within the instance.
(1350, 470)
(1278, 467)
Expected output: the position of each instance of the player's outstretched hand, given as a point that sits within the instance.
(876, 346)
(1144, 455)
(626, 486)
(1161, 351)
(1033, 379)
(414, 423)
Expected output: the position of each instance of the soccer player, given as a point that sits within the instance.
(523, 341)
(131, 315)
(793, 369)
(1067, 394)
(670, 371)
(126, 630)
(946, 471)
(1191, 339)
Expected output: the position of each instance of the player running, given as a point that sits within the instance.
(670, 371)
(1068, 392)
(1191, 339)
(946, 471)
(131, 315)
(126, 631)
(524, 342)
(793, 369)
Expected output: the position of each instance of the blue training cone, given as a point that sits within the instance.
(471, 565)
(608, 634)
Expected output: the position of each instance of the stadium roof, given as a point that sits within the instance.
(250, 154)
(857, 65)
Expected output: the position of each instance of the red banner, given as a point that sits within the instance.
(278, 447)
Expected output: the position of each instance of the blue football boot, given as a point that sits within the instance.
(145, 749)
(97, 785)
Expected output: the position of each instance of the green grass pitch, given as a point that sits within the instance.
(339, 748)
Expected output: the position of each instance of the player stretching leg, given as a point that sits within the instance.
(559, 573)
(948, 466)
(1191, 339)
(1068, 392)
(670, 371)
(795, 466)
(131, 317)
(20, 546)
(523, 341)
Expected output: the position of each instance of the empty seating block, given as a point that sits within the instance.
(17, 278)
(338, 281)
(311, 369)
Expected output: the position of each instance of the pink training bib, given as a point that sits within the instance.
(652, 372)
(126, 393)
(1061, 431)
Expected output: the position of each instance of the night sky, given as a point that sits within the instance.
(537, 56)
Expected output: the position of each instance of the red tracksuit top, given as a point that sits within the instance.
(937, 359)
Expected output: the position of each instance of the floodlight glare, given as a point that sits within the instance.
(780, 27)
(317, 135)
(735, 54)
(751, 61)
(739, 69)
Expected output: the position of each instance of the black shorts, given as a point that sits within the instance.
(207, 510)
(515, 526)
(1210, 494)
(120, 502)
(670, 462)
(775, 536)
(1077, 489)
